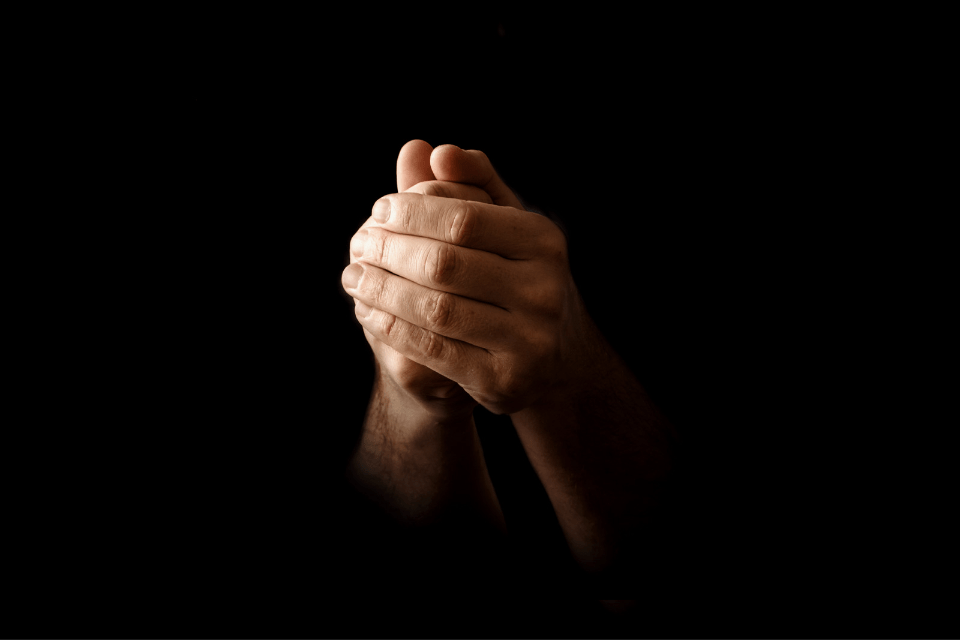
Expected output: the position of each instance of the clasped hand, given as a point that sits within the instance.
(479, 293)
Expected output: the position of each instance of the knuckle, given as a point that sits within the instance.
(462, 227)
(441, 265)
(402, 212)
(388, 324)
(376, 287)
(441, 310)
(430, 345)
(375, 248)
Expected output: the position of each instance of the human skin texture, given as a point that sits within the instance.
(467, 300)
(419, 455)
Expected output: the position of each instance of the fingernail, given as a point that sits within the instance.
(362, 310)
(351, 276)
(381, 210)
(358, 242)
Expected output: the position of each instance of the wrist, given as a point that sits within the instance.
(587, 362)
(446, 405)
(401, 416)
(414, 464)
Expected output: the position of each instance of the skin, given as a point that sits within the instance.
(419, 455)
(467, 298)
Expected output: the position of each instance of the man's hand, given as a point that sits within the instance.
(479, 293)
(419, 455)
(441, 396)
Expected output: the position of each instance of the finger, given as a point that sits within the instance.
(480, 275)
(439, 189)
(368, 223)
(454, 190)
(413, 164)
(505, 231)
(454, 164)
(446, 314)
(407, 373)
(442, 190)
(458, 361)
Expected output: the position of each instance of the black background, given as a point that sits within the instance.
(212, 379)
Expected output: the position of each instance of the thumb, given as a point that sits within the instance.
(454, 164)
(413, 165)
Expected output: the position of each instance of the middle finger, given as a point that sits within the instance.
(475, 323)
(469, 273)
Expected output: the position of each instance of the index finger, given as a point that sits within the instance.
(506, 231)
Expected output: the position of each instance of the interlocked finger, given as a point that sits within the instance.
(463, 319)
(456, 360)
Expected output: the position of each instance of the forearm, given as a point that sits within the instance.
(421, 469)
(603, 453)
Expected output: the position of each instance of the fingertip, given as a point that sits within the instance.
(361, 309)
(471, 166)
(450, 162)
(413, 164)
(447, 148)
(416, 143)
